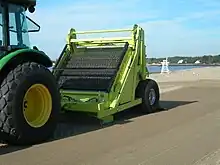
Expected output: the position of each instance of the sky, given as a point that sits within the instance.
(172, 27)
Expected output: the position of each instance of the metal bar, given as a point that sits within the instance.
(102, 31)
(98, 46)
(5, 22)
(101, 39)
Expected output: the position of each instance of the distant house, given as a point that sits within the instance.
(180, 62)
(197, 62)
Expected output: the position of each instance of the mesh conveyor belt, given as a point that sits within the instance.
(92, 69)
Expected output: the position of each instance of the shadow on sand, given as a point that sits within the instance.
(72, 124)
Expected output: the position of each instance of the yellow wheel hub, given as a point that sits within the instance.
(37, 105)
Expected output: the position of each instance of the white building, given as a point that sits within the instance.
(180, 62)
(197, 62)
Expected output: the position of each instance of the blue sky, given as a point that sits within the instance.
(172, 27)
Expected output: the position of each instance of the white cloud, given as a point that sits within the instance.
(209, 3)
(170, 37)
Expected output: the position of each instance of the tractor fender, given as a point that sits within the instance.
(24, 55)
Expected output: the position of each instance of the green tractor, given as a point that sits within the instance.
(29, 95)
(96, 76)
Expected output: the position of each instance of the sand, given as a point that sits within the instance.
(187, 133)
(196, 74)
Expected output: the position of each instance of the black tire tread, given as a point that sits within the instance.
(7, 94)
(141, 89)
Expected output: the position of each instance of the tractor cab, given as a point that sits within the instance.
(15, 25)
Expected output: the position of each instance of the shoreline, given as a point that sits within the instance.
(173, 64)
(157, 68)
(186, 69)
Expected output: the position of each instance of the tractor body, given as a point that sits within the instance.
(14, 39)
(29, 97)
(26, 3)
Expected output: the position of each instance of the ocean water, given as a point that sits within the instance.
(156, 69)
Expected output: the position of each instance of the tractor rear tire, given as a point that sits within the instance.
(148, 90)
(29, 105)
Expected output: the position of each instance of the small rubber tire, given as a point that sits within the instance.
(13, 125)
(143, 90)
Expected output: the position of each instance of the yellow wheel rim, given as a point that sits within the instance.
(37, 105)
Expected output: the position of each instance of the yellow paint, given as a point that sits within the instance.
(37, 105)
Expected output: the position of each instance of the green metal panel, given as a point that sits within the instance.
(37, 55)
(127, 92)
(107, 112)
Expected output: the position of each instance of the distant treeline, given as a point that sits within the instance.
(206, 59)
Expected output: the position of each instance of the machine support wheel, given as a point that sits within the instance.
(148, 90)
(29, 104)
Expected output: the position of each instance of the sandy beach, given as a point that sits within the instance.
(186, 133)
(207, 73)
